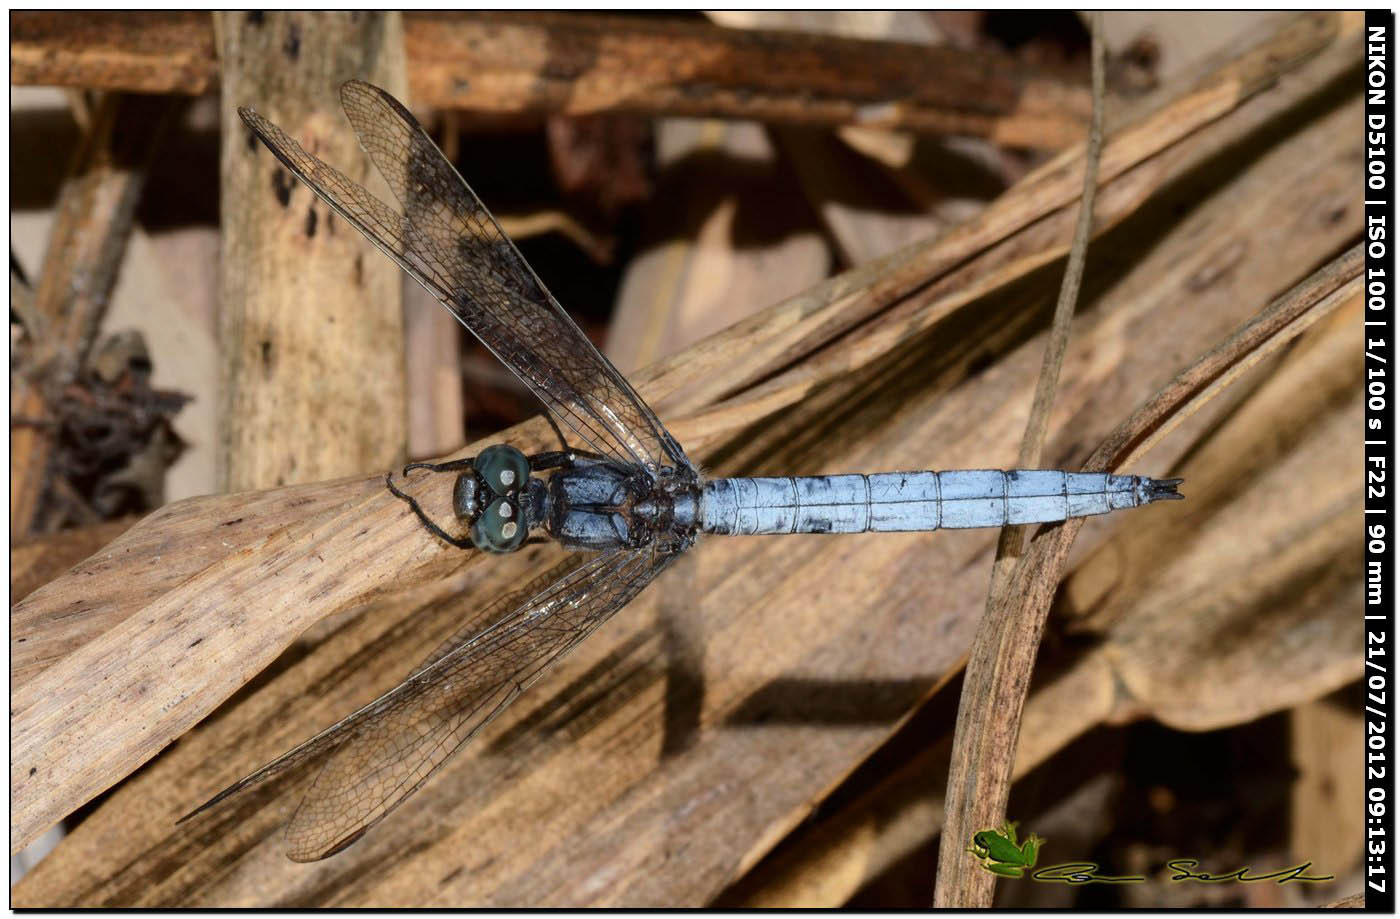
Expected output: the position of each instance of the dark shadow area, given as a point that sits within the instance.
(873, 788)
(561, 719)
(42, 142)
(683, 647)
(1044, 37)
(814, 701)
(1129, 800)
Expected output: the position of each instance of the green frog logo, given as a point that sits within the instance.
(1000, 854)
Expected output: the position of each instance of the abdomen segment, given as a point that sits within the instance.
(905, 501)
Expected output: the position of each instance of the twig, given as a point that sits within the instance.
(1039, 422)
(94, 220)
(1283, 320)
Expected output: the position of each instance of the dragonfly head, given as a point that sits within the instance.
(494, 499)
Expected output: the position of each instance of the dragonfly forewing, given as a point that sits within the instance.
(449, 242)
(379, 755)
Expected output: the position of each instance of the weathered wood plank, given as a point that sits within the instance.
(538, 62)
(312, 380)
(167, 52)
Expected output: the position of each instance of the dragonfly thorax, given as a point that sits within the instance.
(601, 504)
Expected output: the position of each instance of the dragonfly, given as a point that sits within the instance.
(620, 494)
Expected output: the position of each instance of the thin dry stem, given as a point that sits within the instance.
(977, 888)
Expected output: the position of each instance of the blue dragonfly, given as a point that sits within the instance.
(623, 495)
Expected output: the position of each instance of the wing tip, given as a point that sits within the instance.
(352, 88)
(354, 91)
(315, 855)
(207, 805)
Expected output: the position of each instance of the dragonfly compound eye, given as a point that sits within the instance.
(499, 528)
(504, 469)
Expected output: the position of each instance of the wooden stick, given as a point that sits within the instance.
(542, 62)
(432, 375)
(171, 52)
(312, 380)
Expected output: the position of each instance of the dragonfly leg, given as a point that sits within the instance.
(433, 528)
(568, 450)
(559, 432)
(554, 459)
